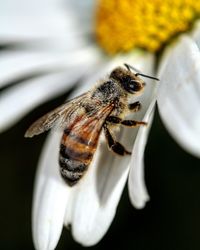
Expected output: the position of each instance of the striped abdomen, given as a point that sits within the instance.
(76, 154)
(78, 145)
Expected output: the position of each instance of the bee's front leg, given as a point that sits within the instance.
(135, 106)
(128, 123)
(115, 146)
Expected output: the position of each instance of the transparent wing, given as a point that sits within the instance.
(82, 133)
(86, 124)
(56, 116)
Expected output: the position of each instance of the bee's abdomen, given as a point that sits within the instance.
(75, 156)
(73, 163)
(79, 143)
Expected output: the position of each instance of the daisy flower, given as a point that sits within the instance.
(84, 41)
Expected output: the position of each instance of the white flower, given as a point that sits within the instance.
(59, 52)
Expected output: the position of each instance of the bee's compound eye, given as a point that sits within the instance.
(131, 85)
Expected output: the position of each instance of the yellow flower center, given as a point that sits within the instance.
(122, 25)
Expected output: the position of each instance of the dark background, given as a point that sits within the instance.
(171, 220)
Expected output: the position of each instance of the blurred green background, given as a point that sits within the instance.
(171, 220)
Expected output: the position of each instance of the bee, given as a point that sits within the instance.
(86, 116)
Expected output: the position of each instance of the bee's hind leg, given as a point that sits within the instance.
(115, 146)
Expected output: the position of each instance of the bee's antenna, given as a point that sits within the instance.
(129, 67)
(151, 77)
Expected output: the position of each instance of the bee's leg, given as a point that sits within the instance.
(128, 123)
(115, 146)
(135, 106)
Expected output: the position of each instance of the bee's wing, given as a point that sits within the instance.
(58, 115)
(85, 129)
(88, 122)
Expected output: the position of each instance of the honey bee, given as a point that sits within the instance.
(84, 117)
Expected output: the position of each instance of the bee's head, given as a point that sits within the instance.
(129, 81)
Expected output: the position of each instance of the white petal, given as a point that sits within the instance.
(21, 63)
(179, 94)
(64, 43)
(98, 193)
(137, 190)
(16, 64)
(196, 33)
(20, 99)
(97, 196)
(83, 13)
(21, 19)
(51, 195)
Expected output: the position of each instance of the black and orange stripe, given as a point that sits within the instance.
(79, 143)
